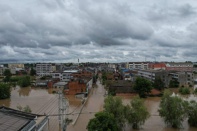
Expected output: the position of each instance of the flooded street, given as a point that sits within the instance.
(43, 101)
(94, 104)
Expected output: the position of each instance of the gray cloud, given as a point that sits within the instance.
(122, 30)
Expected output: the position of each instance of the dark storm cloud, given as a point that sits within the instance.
(122, 30)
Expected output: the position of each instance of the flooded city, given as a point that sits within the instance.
(44, 101)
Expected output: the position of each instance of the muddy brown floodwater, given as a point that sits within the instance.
(42, 101)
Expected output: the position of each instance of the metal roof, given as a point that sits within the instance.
(14, 120)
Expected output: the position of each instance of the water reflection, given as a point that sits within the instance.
(42, 100)
(5, 102)
(24, 91)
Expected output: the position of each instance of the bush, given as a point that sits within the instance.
(192, 113)
(184, 90)
(4, 91)
(195, 91)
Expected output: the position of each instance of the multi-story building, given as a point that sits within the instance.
(2, 69)
(43, 69)
(15, 65)
(138, 65)
(65, 75)
(152, 74)
(157, 66)
(184, 78)
(78, 86)
(181, 66)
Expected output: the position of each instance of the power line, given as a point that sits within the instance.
(90, 112)
(47, 104)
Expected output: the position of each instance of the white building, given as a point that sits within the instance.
(65, 75)
(43, 69)
(138, 65)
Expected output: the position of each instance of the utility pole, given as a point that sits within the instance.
(59, 106)
(63, 104)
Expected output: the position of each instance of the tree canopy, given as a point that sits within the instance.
(137, 113)
(158, 84)
(7, 75)
(4, 91)
(115, 106)
(192, 113)
(142, 86)
(24, 81)
(173, 109)
(32, 72)
(103, 121)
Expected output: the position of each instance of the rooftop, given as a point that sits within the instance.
(14, 120)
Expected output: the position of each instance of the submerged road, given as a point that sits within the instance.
(93, 104)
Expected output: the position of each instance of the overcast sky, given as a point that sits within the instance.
(98, 30)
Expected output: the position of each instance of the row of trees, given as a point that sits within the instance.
(8, 74)
(115, 115)
(22, 81)
(175, 110)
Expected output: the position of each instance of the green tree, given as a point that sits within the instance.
(104, 77)
(142, 86)
(173, 83)
(32, 72)
(4, 91)
(137, 113)
(24, 81)
(184, 90)
(173, 109)
(192, 113)
(7, 75)
(103, 121)
(115, 106)
(158, 83)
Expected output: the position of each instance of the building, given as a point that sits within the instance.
(181, 66)
(153, 74)
(2, 69)
(81, 74)
(15, 65)
(121, 86)
(60, 85)
(65, 75)
(138, 65)
(78, 86)
(183, 78)
(43, 69)
(14, 120)
(157, 66)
